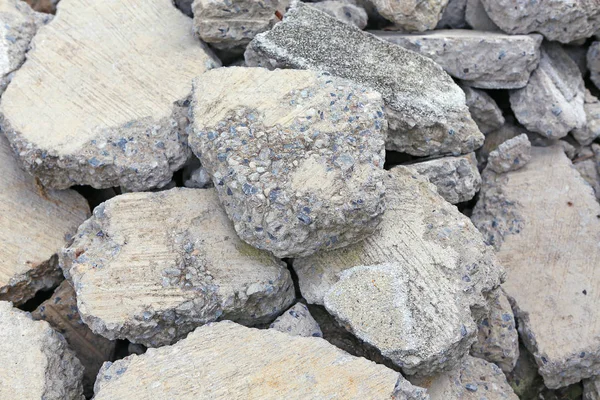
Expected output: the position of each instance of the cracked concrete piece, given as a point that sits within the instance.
(497, 338)
(412, 15)
(477, 17)
(297, 321)
(486, 60)
(251, 364)
(437, 255)
(484, 110)
(456, 178)
(453, 15)
(544, 220)
(35, 361)
(494, 139)
(90, 108)
(425, 109)
(344, 11)
(591, 389)
(593, 63)
(558, 20)
(34, 224)
(510, 155)
(151, 267)
(404, 390)
(60, 311)
(591, 130)
(552, 102)
(474, 379)
(296, 156)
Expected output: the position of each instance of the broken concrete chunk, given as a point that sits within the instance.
(60, 311)
(557, 310)
(426, 245)
(552, 102)
(589, 172)
(591, 389)
(510, 155)
(482, 59)
(344, 11)
(99, 116)
(456, 178)
(297, 321)
(35, 361)
(453, 15)
(494, 139)
(474, 379)
(151, 267)
(563, 21)
(593, 63)
(34, 224)
(425, 109)
(296, 156)
(251, 363)
(497, 338)
(591, 130)
(484, 110)
(477, 17)
(412, 15)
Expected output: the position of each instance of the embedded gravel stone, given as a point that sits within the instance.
(425, 109)
(35, 224)
(456, 178)
(453, 15)
(591, 130)
(485, 60)
(563, 21)
(344, 11)
(151, 267)
(97, 114)
(593, 63)
(412, 15)
(510, 155)
(249, 364)
(434, 263)
(552, 102)
(543, 219)
(477, 17)
(35, 361)
(484, 110)
(296, 156)
(297, 321)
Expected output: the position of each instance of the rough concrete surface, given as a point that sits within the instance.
(484, 110)
(412, 15)
(510, 155)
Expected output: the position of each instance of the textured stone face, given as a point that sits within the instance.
(251, 363)
(296, 156)
(412, 15)
(344, 11)
(34, 224)
(151, 267)
(556, 310)
(35, 361)
(425, 109)
(429, 247)
(482, 59)
(593, 63)
(559, 83)
(297, 321)
(483, 109)
(591, 130)
(510, 155)
(98, 115)
(558, 20)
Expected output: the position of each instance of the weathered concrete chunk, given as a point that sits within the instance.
(591, 130)
(477, 17)
(425, 109)
(297, 321)
(484, 110)
(453, 15)
(251, 364)
(344, 11)
(563, 21)
(593, 63)
(34, 224)
(510, 155)
(404, 390)
(543, 218)
(552, 102)
(296, 156)
(485, 60)
(457, 179)
(151, 267)
(60, 311)
(97, 114)
(412, 15)
(591, 389)
(474, 379)
(497, 338)
(436, 265)
(35, 361)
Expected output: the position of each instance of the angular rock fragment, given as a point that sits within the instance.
(60, 311)
(543, 218)
(35, 361)
(510, 155)
(456, 178)
(474, 379)
(485, 60)
(151, 267)
(563, 21)
(497, 339)
(484, 110)
(297, 321)
(344, 11)
(453, 15)
(558, 82)
(477, 17)
(251, 364)
(34, 224)
(98, 114)
(296, 156)
(494, 139)
(436, 266)
(591, 130)
(591, 389)
(424, 107)
(412, 15)
(593, 63)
